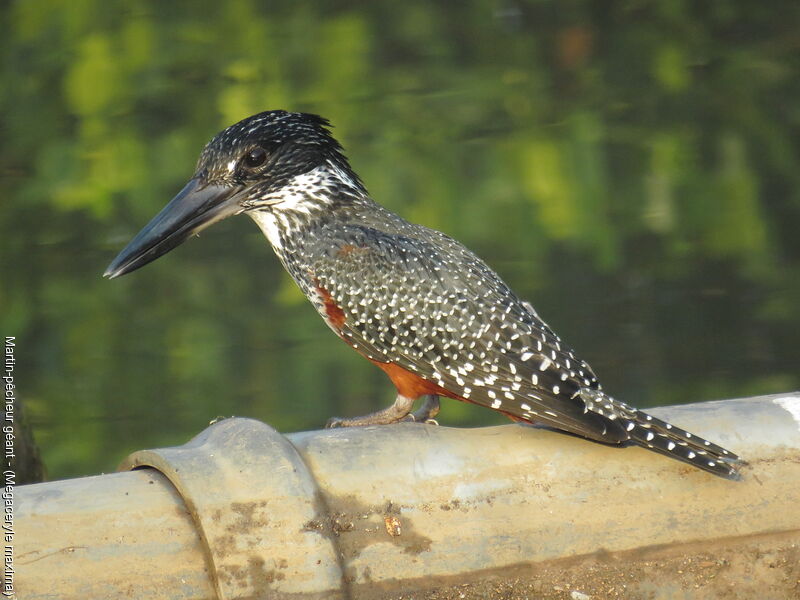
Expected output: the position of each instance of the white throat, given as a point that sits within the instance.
(267, 221)
(304, 195)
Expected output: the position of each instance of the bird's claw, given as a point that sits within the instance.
(334, 422)
(410, 418)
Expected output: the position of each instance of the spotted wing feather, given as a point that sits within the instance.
(438, 311)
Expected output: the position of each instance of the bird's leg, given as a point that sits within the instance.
(390, 414)
(427, 412)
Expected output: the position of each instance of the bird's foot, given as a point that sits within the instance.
(391, 414)
(426, 412)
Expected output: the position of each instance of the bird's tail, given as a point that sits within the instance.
(662, 437)
(665, 438)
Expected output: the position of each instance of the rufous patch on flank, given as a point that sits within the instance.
(335, 314)
(409, 384)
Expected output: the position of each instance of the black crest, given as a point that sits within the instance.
(271, 147)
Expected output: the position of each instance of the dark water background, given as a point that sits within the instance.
(632, 168)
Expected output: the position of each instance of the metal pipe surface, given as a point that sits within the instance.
(376, 512)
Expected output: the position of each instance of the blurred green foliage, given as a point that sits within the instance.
(630, 166)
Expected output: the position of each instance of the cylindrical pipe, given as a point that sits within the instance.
(123, 535)
(353, 512)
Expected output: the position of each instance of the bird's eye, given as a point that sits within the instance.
(255, 158)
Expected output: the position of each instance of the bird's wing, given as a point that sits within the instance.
(433, 308)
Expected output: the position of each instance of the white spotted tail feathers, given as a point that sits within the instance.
(662, 437)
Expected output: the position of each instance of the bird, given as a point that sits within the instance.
(412, 300)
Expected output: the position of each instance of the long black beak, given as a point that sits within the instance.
(196, 207)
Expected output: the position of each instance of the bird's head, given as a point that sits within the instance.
(251, 165)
